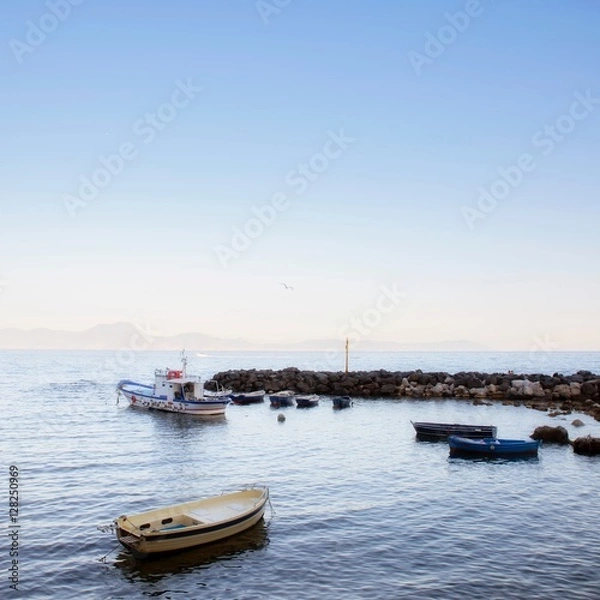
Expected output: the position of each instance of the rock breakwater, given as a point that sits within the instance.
(560, 394)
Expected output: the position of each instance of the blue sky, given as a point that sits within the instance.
(220, 112)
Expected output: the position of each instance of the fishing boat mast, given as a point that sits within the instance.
(183, 364)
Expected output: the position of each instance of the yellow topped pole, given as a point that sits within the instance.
(346, 355)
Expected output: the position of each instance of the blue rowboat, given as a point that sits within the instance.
(248, 397)
(280, 399)
(307, 401)
(341, 402)
(492, 447)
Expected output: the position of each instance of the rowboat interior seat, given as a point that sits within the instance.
(201, 518)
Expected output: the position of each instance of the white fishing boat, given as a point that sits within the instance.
(175, 391)
(191, 524)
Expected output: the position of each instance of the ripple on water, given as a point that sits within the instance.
(362, 510)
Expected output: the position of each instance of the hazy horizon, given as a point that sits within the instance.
(278, 172)
(131, 336)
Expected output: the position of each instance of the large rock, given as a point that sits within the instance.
(437, 390)
(562, 390)
(322, 377)
(474, 382)
(388, 389)
(460, 391)
(553, 435)
(589, 388)
(587, 445)
(527, 389)
(304, 387)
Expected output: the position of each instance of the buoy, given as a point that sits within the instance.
(281, 417)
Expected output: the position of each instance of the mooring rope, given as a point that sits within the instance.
(103, 559)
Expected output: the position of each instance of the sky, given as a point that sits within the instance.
(415, 172)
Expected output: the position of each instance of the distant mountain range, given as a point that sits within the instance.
(125, 335)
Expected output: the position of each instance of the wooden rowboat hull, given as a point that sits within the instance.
(188, 525)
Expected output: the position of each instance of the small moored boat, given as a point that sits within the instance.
(191, 524)
(492, 447)
(248, 397)
(341, 402)
(441, 431)
(307, 401)
(279, 399)
(175, 391)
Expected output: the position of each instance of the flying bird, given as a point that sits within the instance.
(286, 286)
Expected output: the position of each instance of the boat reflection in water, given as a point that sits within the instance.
(201, 557)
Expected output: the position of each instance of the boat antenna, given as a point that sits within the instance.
(183, 363)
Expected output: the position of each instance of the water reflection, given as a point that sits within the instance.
(166, 422)
(492, 459)
(154, 569)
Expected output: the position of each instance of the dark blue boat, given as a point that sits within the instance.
(248, 397)
(341, 402)
(492, 448)
(434, 432)
(307, 401)
(282, 399)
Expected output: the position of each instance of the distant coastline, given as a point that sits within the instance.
(117, 336)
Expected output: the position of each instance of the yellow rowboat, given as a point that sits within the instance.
(191, 524)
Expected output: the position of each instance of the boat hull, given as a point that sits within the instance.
(247, 401)
(428, 431)
(211, 406)
(186, 529)
(492, 448)
(280, 400)
(306, 401)
(341, 402)
(248, 398)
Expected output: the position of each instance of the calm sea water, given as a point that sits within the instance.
(360, 508)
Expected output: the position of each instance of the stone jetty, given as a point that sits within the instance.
(559, 394)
